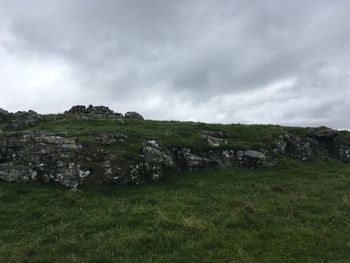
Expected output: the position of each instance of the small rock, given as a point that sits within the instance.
(255, 155)
(214, 141)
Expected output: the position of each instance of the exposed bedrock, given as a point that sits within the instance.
(53, 158)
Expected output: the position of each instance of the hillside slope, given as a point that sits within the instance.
(225, 193)
(95, 145)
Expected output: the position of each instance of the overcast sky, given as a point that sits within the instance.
(248, 61)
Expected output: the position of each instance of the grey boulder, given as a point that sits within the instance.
(155, 154)
(255, 159)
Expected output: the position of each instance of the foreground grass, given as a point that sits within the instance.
(296, 212)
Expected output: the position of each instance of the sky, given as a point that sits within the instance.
(218, 61)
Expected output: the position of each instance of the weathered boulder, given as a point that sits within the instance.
(24, 119)
(155, 154)
(93, 112)
(131, 115)
(4, 114)
(281, 146)
(193, 161)
(255, 159)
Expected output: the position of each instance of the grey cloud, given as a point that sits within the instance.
(165, 58)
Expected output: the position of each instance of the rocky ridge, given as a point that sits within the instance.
(29, 119)
(31, 156)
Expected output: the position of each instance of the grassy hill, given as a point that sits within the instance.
(297, 211)
(170, 133)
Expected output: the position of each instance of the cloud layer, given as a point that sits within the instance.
(216, 61)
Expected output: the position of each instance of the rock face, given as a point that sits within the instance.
(133, 116)
(295, 146)
(37, 156)
(31, 156)
(23, 119)
(52, 158)
(93, 112)
(155, 154)
(195, 161)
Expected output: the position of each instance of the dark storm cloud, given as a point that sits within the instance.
(223, 61)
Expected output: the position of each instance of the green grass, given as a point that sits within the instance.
(169, 133)
(295, 212)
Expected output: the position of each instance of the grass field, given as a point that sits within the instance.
(295, 212)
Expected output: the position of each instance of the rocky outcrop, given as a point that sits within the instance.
(195, 159)
(296, 147)
(30, 156)
(154, 154)
(131, 115)
(93, 112)
(24, 119)
(47, 156)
